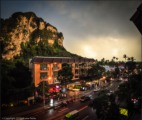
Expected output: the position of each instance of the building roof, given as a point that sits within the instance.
(41, 59)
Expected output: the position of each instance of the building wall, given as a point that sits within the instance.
(75, 68)
(36, 75)
(52, 71)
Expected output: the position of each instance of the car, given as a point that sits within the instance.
(58, 106)
(73, 115)
(108, 93)
(84, 98)
(96, 90)
(61, 105)
(64, 103)
(83, 88)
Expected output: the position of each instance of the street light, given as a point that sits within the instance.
(43, 92)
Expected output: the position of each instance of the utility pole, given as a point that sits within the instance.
(43, 89)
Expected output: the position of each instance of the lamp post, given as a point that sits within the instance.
(43, 91)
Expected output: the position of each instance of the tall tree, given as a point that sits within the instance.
(65, 74)
(7, 81)
(106, 109)
(115, 58)
(96, 71)
(125, 56)
(43, 88)
(116, 72)
(132, 59)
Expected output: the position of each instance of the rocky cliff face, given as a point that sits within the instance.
(21, 28)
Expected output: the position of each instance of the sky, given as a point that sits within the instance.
(93, 29)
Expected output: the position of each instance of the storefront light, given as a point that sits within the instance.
(51, 102)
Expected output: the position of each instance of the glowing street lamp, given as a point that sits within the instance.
(104, 77)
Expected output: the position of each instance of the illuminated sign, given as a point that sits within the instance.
(123, 111)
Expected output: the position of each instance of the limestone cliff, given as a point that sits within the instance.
(21, 28)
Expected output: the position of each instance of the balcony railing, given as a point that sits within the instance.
(55, 68)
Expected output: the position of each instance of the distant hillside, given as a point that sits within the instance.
(25, 35)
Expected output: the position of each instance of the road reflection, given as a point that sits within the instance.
(50, 112)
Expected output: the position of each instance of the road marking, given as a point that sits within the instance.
(82, 108)
(61, 110)
(85, 117)
(36, 113)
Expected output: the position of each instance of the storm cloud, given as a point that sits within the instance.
(94, 29)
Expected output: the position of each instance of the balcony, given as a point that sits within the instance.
(55, 68)
(43, 67)
(43, 75)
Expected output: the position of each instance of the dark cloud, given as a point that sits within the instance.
(87, 23)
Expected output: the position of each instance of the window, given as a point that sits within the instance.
(43, 75)
(70, 65)
(43, 66)
(76, 72)
(55, 74)
(76, 76)
(55, 66)
(76, 65)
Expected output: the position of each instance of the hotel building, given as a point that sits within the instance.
(46, 68)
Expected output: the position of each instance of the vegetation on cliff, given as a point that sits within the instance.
(26, 35)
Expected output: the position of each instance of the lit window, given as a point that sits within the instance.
(43, 75)
(43, 66)
(55, 66)
(55, 74)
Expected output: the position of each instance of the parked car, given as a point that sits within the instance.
(58, 106)
(64, 103)
(83, 88)
(84, 98)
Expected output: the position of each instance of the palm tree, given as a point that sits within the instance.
(102, 61)
(114, 58)
(132, 59)
(125, 56)
(107, 62)
(128, 58)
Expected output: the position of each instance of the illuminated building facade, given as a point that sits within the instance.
(46, 68)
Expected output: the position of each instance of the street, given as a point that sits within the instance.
(48, 112)
(85, 113)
